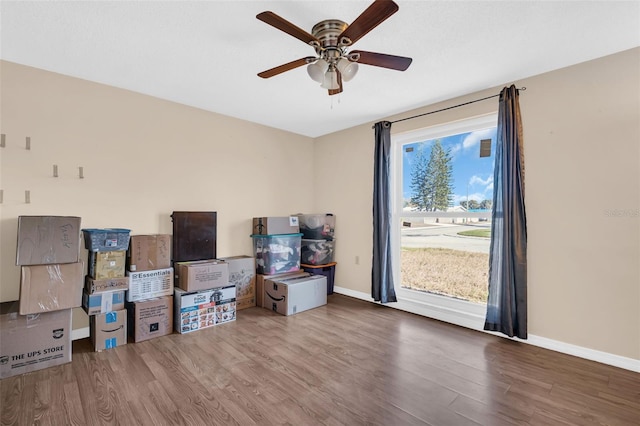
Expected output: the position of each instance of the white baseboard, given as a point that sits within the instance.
(476, 322)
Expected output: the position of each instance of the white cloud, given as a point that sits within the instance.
(473, 139)
(478, 196)
(477, 180)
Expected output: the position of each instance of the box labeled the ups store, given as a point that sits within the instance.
(202, 274)
(242, 274)
(149, 252)
(99, 303)
(107, 264)
(48, 239)
(108, 330)
(202, 309)
(150, 318)
(33, 342)
(91, 285)
(149, 284)
(46, 288)
(292, 295)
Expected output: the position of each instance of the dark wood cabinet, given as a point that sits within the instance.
(194, 236)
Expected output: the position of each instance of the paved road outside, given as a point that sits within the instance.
(445, 236)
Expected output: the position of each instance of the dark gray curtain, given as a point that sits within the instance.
(507, 301)
(382, 289)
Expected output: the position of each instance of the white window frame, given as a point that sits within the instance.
(443, 308)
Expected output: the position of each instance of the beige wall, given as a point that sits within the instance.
(582, 149)
(143, 158)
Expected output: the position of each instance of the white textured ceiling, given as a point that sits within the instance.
(206, 54)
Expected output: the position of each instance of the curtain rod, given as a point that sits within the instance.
(451, 107)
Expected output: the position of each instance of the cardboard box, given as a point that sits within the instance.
(260, 280)
(276, 225)
(46, 288)
(91, 285)
(44, 240)
(202, 274)
(99, 303)
(150, 318)
(242, 274)
(203, 309)
(150, 284)
(293, 295)
(33, 342)
(107, 264)
(108, 330)
(149, 252)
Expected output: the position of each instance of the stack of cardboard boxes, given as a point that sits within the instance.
(280, 284)
(204, 297)
(35, 332)
(105, 286)
(150, 295)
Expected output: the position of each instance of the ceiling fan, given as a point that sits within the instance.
(331, 40)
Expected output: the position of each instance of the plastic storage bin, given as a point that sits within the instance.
(317, 252)
(276, 254)
(108, 239)
(328, 271)
(317, 226)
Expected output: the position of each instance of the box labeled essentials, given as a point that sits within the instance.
(290, 296)
(202, 309)
(107, 239)
(108, 330)
(46, 288)
(33, 342)
(48, 240)
(150, 318)
(91, 285)
(317, 226)
(260, 280)
(99, 303)
(149, 284)
(276, 254)
(106, 264)
(149, 252)
(242, 274)
(275, 225)
(202, 274)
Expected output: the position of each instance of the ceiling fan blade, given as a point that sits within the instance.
(339, 89)
(373, 16)
(286, 67)
(282, 24)
(393, 62)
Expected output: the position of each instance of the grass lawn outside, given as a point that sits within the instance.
(454, 273)
(484, 233)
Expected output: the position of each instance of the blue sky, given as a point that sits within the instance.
(468, 168)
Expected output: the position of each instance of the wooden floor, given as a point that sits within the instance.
(347, 363)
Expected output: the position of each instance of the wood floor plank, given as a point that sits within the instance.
(347, 363)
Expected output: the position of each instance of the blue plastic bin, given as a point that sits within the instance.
(107, 239)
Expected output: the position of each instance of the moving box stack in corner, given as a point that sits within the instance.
(280, 285)
(35, 332)
(105, 286)
(318, 245)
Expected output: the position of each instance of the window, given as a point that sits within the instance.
(442, 183)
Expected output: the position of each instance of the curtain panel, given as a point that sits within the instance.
(382, 288)
(507, 300)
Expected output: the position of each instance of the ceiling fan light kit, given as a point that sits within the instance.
(331, 40)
